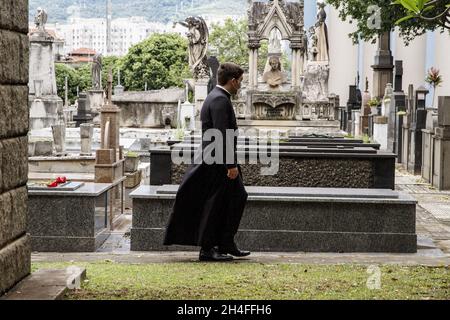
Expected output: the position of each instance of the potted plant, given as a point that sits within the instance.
(373, 104)
(434, 79)
(131, 161)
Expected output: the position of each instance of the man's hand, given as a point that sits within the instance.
(233, 173)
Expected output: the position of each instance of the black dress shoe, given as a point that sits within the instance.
(213, 255)
(234, 251)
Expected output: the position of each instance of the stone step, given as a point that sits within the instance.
(47, 284)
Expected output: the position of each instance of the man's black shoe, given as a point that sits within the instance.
(213, 255)
(234, 251)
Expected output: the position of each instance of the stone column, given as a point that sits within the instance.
(428, 145)
(253, 46)
(407, 119)
(297, 47)
(383, 66)
(15, 247)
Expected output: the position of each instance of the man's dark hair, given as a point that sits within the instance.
(228, 71)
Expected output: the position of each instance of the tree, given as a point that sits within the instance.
(377, 16)
(230, 41)
(160, 61)
(84, 77)
(62, 71)
(420, 9)
(84, 72)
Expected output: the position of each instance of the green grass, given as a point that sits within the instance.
(109, 280)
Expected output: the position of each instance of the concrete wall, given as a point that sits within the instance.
(15, 251)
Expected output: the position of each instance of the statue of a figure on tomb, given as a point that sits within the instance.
(198, 36)
(275, 41)
(96, 72)
(321, 31)
(312, 45)
(40, 19)
(274, 77)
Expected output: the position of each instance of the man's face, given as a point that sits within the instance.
(236, 84)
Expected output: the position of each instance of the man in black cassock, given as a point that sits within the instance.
(211, 198)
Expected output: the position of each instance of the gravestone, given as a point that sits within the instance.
(365, 110)
(43, 98)
(400, 106)
(418, 123)
(406, 142)
(383, 66)
(353, 103)
(86, 134)
(441, 167)
(83, 111)
(428, 144)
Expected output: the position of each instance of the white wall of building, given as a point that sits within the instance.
(343, 56)
(442, 62)
(414, 60)
(367, 53)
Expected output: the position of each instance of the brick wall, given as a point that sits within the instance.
(15, 250)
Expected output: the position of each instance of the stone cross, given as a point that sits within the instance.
(118, 75)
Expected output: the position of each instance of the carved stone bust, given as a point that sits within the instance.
(274, 77)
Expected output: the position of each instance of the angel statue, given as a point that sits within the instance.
(96, 72)
(40, 19)
(198, 36)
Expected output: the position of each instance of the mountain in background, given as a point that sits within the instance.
(154, 10)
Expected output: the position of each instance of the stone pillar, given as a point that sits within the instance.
(86, 134)
(365, 112)
(253, 45)
(399, 106)
(418, 123)
(95, 100)
(297, 47)
(15, 248)
(83, 111)
(383, 66)
(43, 98)
(441, 167)
(407, 119)
(391, 114)
(201, 92)
(109, 164)
(428, 144)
